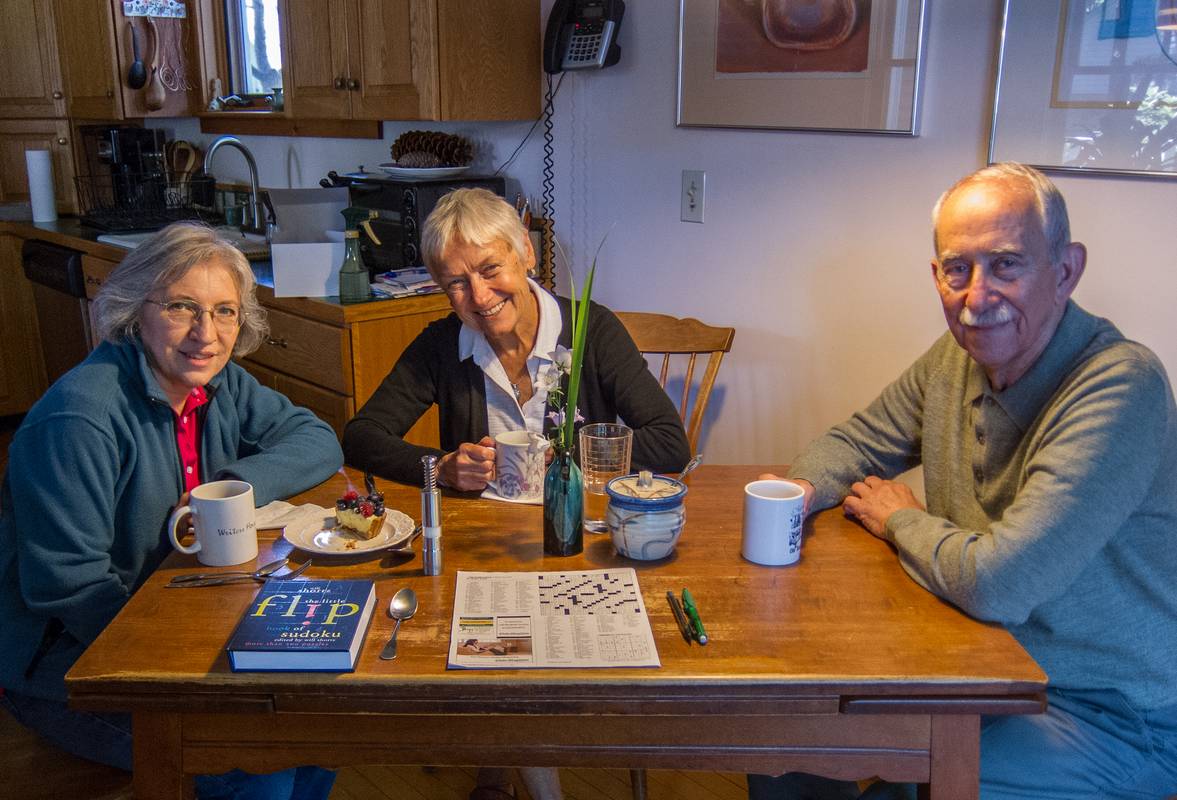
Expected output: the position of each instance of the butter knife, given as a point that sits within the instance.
(227, 581)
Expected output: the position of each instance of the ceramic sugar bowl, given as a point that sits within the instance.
(645, 515)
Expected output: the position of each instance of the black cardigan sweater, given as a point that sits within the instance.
(615, 382)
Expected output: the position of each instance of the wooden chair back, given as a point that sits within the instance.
(660, 334)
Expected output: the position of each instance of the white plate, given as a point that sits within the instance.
(421, 173)
(320, 536)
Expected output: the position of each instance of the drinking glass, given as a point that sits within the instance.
(605, 449)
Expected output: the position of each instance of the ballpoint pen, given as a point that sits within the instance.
(692, 612)
(684, 627)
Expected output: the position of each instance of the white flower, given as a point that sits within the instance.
(562, 358)
(548, 378)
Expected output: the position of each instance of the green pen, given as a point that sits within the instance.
(692, 612)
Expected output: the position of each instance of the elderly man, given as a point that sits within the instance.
(1049, 447)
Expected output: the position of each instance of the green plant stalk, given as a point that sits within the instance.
(579, 332)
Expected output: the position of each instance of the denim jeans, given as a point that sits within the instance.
(106, 738)
(1088, 744)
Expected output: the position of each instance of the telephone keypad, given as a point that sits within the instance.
(584, 48)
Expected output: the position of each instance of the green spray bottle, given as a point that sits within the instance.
(354, 286)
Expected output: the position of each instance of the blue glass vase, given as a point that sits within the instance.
(563, 507)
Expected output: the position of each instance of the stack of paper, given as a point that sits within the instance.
(404, 282)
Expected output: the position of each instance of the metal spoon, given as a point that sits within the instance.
(260, 572)
(403, 606)
(694, 462)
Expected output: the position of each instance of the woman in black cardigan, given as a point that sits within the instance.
(484, 364)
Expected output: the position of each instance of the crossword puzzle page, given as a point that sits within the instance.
(594, 618)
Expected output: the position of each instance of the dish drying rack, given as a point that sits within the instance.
(144, 202)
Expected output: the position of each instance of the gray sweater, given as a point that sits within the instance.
(1052, 505)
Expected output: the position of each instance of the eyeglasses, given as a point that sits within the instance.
(185, 314)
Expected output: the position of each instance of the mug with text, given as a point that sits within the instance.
(519, 466)
(223, 517)
(773, 513)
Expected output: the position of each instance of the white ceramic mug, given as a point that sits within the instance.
(223, 517)
(519, 466)
(773, 513)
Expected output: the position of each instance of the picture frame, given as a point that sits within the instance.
(832, 65)
(1085, 87)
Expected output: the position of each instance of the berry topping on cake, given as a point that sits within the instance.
(359, 514)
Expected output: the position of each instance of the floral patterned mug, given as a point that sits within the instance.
(519, 466)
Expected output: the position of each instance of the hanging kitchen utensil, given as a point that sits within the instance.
(156, 94)
(136, 73)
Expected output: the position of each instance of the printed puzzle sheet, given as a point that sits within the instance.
(518, 620)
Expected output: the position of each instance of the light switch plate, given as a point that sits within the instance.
(694, 183)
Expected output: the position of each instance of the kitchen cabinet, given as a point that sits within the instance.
(31, 84)
(22, 374)
(411, 59)
(167, 46)
(19, 135)
(330, 358)
(86, 52)
(94, 272)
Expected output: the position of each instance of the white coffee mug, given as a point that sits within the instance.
(519, 466)
(773, 513)
(223, 517)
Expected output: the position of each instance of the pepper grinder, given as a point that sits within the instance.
(431, 518)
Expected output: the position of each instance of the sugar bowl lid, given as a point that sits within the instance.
(646, 491)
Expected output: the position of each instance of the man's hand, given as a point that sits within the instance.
(470, 467)
(805, 485)
(872, 500)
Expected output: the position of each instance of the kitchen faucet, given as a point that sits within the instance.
(256, 209)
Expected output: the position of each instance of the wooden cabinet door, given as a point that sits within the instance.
(86, 45)
(315, 77)
(168, 48)
(392, 59)
(488, 52)
(30, 78)
(18, 135)
(22, 374)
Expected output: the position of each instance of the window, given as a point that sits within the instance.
(254, 46)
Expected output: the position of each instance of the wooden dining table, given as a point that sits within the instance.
(839, 664)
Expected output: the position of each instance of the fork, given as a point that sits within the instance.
(242, 578)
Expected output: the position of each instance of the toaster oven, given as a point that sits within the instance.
(402, 207)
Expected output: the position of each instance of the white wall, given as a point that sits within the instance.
(815, 246)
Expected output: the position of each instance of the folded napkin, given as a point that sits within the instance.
(282, 514)
(489, 493)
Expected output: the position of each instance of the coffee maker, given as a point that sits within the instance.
(123, 165)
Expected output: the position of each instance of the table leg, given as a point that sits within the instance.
(956, 758)
(158, 758)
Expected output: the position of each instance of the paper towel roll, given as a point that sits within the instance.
(40, 168)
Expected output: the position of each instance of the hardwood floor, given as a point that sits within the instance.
(446, 783)
(26, 761)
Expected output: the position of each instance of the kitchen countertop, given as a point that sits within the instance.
(70, 232)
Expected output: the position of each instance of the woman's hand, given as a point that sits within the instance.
(470, 467)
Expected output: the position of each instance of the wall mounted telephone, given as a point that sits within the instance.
(582, 34)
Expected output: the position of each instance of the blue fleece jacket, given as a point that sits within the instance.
(92, 477)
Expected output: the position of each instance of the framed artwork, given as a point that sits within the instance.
(1087, 85)
(835, 65)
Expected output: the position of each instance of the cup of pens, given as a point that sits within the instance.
(645, 515)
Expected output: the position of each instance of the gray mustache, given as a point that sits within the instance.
(998, 315)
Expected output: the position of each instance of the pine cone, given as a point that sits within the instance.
(450, 150)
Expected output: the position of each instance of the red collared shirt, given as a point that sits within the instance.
(188, 437)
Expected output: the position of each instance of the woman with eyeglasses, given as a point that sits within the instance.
(105, 455)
